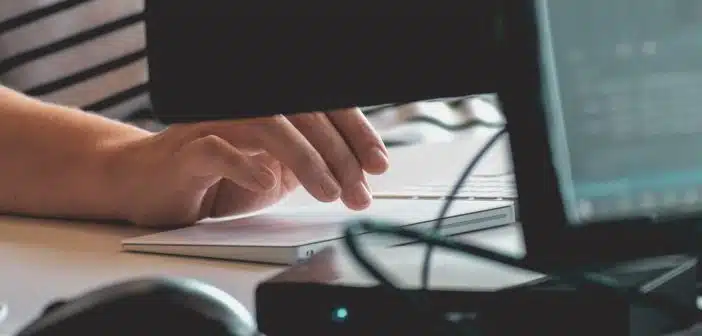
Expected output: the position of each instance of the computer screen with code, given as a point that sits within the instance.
(623, 99)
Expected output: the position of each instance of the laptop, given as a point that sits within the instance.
(288, 234)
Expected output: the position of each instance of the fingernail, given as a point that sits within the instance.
(264, 177)
(330, 187)
(361, 195)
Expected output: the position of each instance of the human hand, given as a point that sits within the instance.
(220, 168)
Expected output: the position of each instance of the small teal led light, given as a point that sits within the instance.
(340, 314)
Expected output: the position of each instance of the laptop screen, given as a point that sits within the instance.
(623, 97)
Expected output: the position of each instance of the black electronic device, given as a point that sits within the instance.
(331, 295)
(222, 59)
(147, 306)
(602, 99)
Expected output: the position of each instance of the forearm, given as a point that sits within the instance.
(57, 161)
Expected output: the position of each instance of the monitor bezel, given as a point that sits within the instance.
(549, 239)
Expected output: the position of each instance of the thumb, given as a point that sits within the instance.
(213, 156)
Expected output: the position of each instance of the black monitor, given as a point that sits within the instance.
(223, 59)
(603, 102)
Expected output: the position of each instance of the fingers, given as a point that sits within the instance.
(279, 137)
(327, 152)
(208, 158)
(340, 159)
(363, 140)
(287, 180)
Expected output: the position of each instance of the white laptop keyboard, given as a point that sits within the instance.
(481, 187)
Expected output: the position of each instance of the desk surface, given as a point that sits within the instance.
(44, 260)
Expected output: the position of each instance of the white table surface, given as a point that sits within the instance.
(45, 260)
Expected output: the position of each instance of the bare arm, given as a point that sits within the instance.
(56, 161)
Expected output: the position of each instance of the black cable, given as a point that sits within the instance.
(426, 264)
(384, 279)
(453, 128)
(445, 327)
(584, 280)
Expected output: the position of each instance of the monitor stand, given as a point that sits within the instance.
(330, 295)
